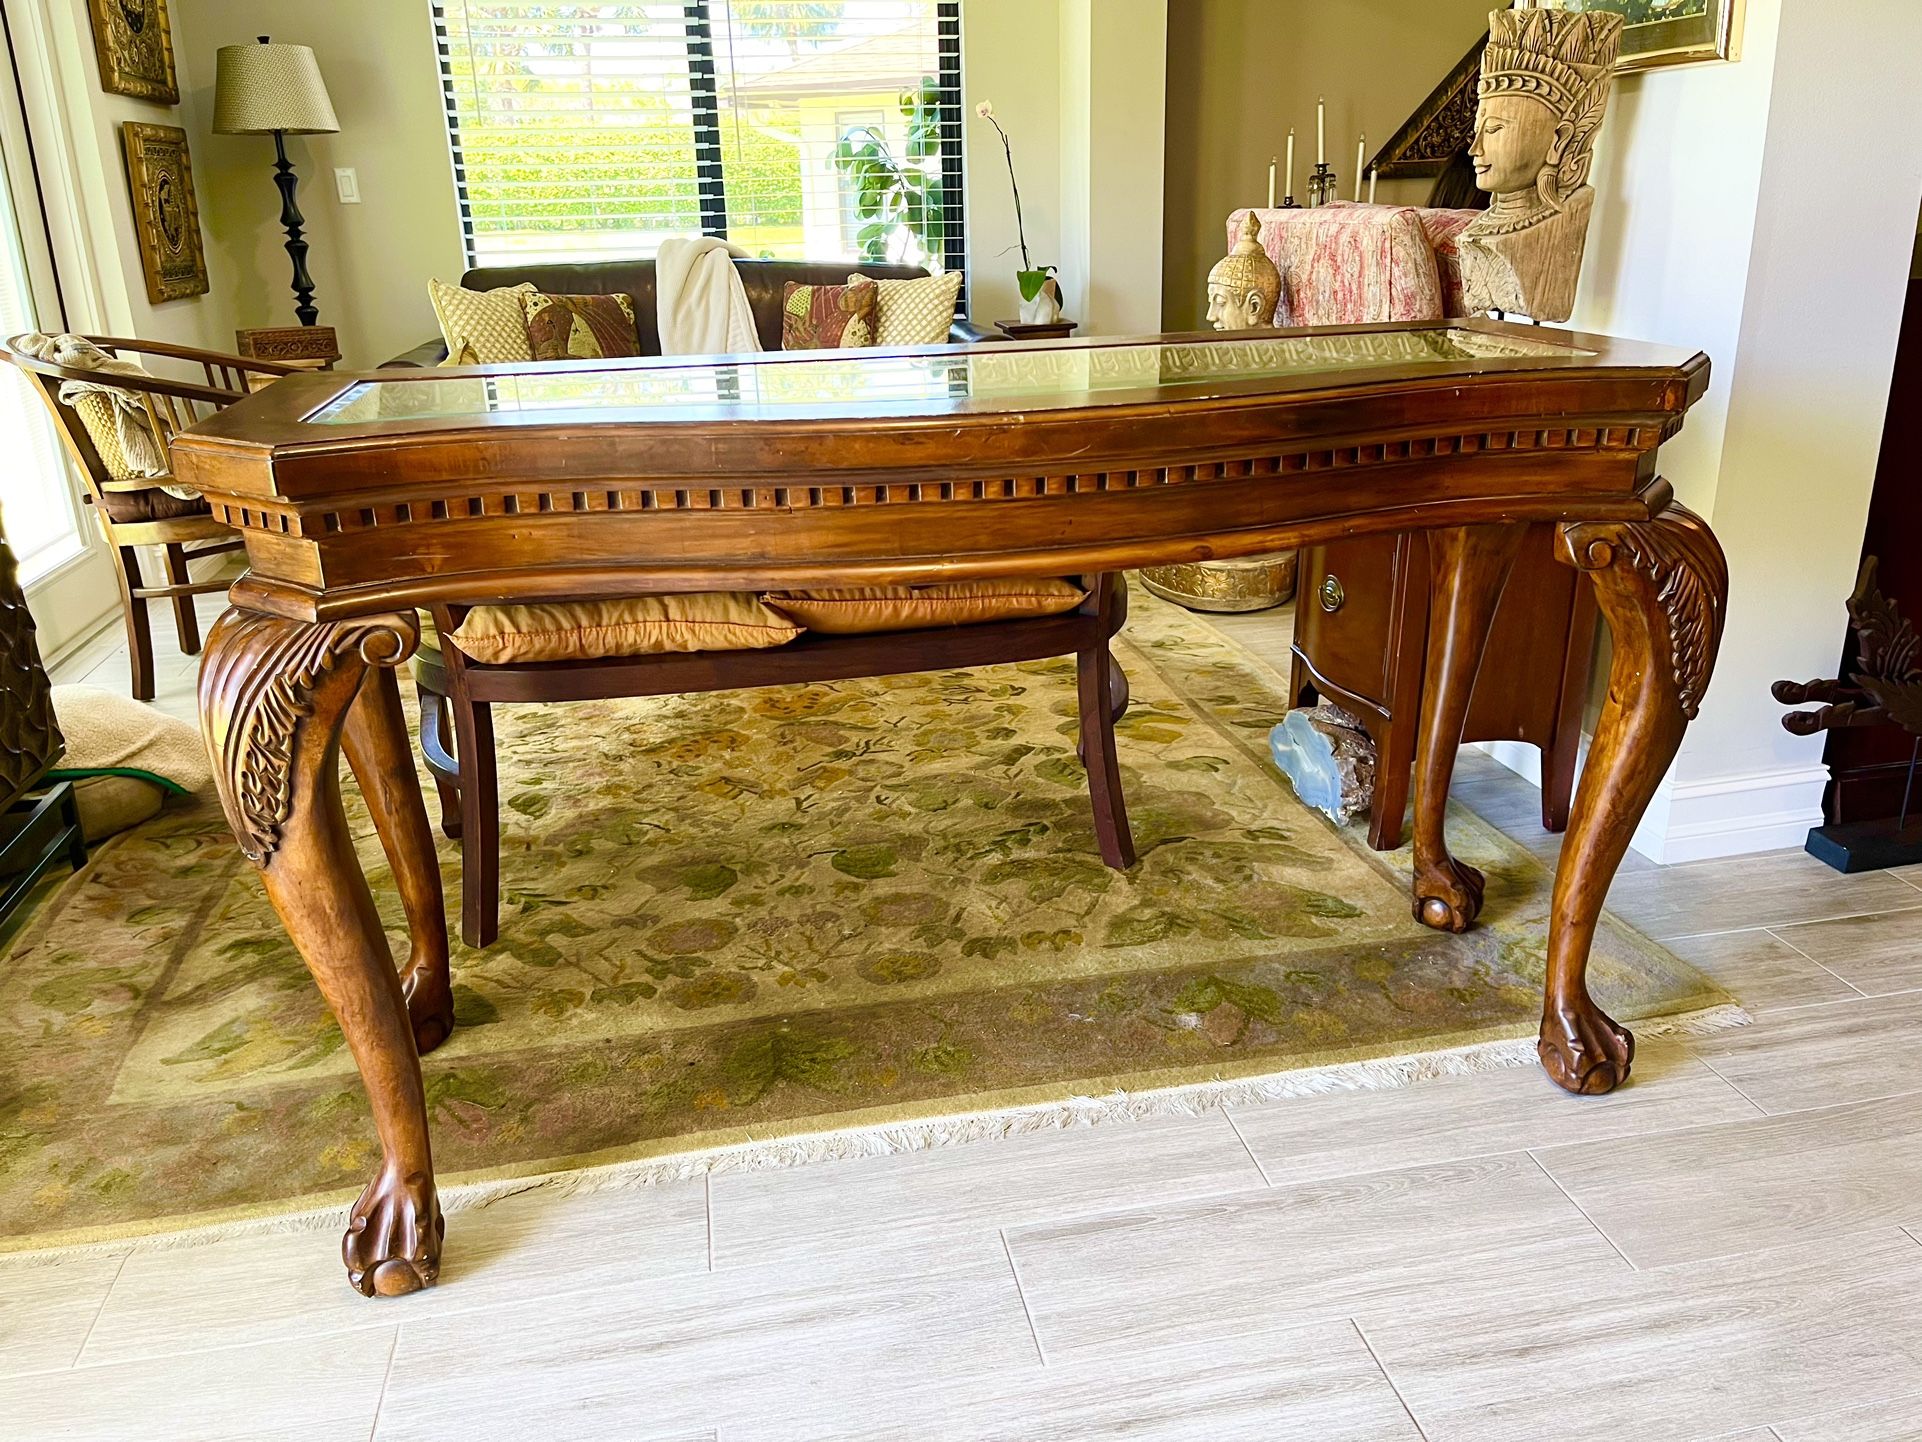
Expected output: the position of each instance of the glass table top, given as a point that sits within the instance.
(829, 384)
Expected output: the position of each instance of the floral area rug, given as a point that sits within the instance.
(754, 927)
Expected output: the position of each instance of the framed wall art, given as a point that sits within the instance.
(1672, 32)
(135, 46)
(166, 217)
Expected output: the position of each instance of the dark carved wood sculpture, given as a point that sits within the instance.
(1885, 686)
(434, 492)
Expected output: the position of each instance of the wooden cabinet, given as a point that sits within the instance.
(1361, 633)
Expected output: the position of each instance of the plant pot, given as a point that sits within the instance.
(1040, 296)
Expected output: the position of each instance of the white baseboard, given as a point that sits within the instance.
(1525, 760)
(1717, 816)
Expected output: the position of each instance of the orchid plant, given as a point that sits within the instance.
(1030, 277)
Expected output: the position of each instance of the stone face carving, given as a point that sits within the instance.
(1544, 89)
(1244, 288)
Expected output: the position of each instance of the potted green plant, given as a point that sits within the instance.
(1040, 291)
(899, 199)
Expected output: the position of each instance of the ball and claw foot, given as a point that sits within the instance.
(1448, 897)
(394, 1235)
(1584, 1050)
(430, 1004)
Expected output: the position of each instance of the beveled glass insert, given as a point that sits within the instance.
(842, 384)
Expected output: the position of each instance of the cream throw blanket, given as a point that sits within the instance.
(133, 427)
(702, 306)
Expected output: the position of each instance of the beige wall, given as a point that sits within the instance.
(1077, 85)
(1008, 57)
(1241, 72)
(1114, 72)
(371, 261)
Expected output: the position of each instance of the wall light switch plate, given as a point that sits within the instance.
(347, 182)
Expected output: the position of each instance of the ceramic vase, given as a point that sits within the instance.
(1040, 297)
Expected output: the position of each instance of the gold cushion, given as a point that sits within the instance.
(638, 626)
(913, 312)
(484, 323)
(860, 611)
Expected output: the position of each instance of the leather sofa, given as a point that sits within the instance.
(764, 281)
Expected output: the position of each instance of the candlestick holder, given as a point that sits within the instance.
(1288, 202)
(1321, 185)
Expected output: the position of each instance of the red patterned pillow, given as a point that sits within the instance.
(828, 317)
(580, 327)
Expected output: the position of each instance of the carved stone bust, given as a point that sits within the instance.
(1244, 288)
(1544, 89)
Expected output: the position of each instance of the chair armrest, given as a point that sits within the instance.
(426, 354)
(965, 332)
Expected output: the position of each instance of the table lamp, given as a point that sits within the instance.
(276, 90)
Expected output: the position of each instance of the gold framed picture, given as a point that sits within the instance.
(135, 46)
(1672, 32)
(166, 217)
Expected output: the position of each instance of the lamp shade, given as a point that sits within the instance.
(262, 88)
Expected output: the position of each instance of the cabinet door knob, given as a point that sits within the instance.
(1331, 593)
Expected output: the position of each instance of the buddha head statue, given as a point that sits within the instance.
(1244, 287)
(1544, 89)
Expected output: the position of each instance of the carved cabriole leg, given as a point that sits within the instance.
(375, 740)
(1469, 565)
(1663, 586)
(274, 695)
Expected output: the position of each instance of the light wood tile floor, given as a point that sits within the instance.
(1727, 1248)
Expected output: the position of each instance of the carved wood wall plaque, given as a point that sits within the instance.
(134, 45)
(166, 216)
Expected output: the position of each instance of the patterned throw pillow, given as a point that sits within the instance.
(913, 312)
(482, 327)
(580, 327)
(827, 317)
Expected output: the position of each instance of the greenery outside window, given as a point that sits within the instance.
(822, 130)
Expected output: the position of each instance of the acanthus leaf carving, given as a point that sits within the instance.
(1678, 558)
(258, 683)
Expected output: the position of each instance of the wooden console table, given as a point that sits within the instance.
(361, 497)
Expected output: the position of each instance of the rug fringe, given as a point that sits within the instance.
(1705, 1022)
(892, 1138)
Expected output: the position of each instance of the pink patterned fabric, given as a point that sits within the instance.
(1344, 263)
(1444, 228)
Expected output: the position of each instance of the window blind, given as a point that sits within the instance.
(826, 130)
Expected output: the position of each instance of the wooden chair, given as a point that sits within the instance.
(458, 694)
(132, 510)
